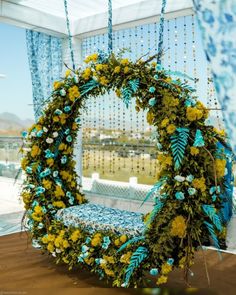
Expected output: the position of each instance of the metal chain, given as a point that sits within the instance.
(110, 42)
(69, 35)
(161, 31)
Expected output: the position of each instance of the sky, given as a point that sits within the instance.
(15, 89)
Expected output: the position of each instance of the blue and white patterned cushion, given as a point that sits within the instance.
(92, 218)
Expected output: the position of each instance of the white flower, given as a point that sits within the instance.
(45, 129)
(63, 92)
(55, 134)
(33, 134)
(102, 261)
(54, 254)
(58, 250)
(49, 140)
(179, 178)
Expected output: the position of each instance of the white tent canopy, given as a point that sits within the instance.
(86, 17)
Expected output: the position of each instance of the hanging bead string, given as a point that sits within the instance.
(69, 35)
(110, 43)
(161, 31)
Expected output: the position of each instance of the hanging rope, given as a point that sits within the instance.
(161, 31)
(110, 45)
(69, 35)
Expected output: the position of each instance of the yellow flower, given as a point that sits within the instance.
(178, 227)
(165, 160)
(193, 114)
(150, 117)
(103, 80)
(59, 192)
(44, 240)
(24, 163)
(99, 67)
(124, 61)
(35, 151)
(194, 151)
(73, 93)
(57, 85)
(220, 132)
(117, 70)
(47, 184)
(79, 198)
(109, 259)
(56, 119)
(166, 268)
(118, 92)
(51, 238)
(170, 101)
(220, 167)
(199, 183)
(164, 122)
(125, 258)
(93, 57)
(26, 199)
(126, 70)
(67, 73)
(109, 272)
(171, 129)
(162, 280)
(75, 235)
(59, 204)
(89, 261)
(62, 147)
(117, 242)
(50, 247)
(38, 210)
(65, 260)
(58, 242)
(65, 244)
(36, 217)
(50, 162)
(66, 175)
(123, 238)
(63, 118)
(96, 241)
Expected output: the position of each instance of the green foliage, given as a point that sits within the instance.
(179, 142)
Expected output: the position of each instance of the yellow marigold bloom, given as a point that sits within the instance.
(67, 73)
(103, 80)
(126, 70)
(92, 57)
(220, 132)
(109, 259)
(96, 241)
(79, 198)
(24, 163)
(117, 242)
(171, 129)
(89, 261)
(124, 61)
(123, 238)
(57, 85)
(166, 268)
(36, 217)
(165, 160)
(194, 151)
(109, 272)
(164, 122)
(44, 240)
(59, 204)
(193, 114)
(125, 258)
(118, 92)
(150, 117)
(63, 118)
(38, 210)
(73, 93)
(73, 184)
(220, 165)
(178, 227)
(99, 67)
(62, 147)
(26, 198)
(51, 238)
(47, 184)
(66, 175)
(75, 235)
(58, 242)
(117, 69)
(170, 101)
(162, 280)
(74, 126)
(50, 162)
(199, 183)
(59, 192)
(35, 151)
(56, 119)
(50, 247)
(65, 244)
(65, 260)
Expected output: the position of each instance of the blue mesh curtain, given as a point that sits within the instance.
(45, 61)
(217, 21)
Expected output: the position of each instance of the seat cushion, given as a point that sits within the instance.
(92, 218)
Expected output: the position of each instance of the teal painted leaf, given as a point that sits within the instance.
(210, 211)
(178, 144)
(88, 86)
(137, 258)
(212, 234)
(131, 241)
(156, 209)
(126, 94)
(199, 140)
(134, 84)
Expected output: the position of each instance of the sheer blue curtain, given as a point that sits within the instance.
(217, 21)
(45, 61)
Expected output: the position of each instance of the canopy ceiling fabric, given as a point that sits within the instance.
(85, 16)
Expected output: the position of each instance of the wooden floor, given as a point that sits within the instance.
(24, 270)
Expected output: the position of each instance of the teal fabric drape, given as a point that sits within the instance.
(45, 61)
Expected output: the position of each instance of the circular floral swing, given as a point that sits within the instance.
(191, 194)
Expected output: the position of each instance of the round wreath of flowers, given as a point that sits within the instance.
(189, 189)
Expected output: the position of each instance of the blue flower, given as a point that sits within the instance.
(67, 109)
(39, 133)
(190, 178)
(71, 200)
(84, 248)
(64, 159)
(68, 194)
(179, 196)
(29, 170)
(40, 190)
(152, 89)
(49, 154)
(88, 240)
(45, 173)
(170, 261)
(152, 101)
(55, 173)
(62, 92)
(69, 138)
(154, 272)
(58, 112)
(159, 67)
(156, 77)
(106, 242)
(24, 133)
(214, 197)
(67, 131)
(191, 191)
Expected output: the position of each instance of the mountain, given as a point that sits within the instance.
(10, 124)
